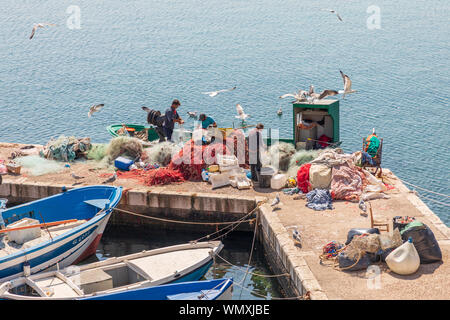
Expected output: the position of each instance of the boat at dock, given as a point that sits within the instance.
(173, 264)
(73, 223)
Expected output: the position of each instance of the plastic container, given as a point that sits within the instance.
(205, 175)
(122, 163)
(278, 181)
(264, 176)
(22, 236)
(219, 180)
(404, 260)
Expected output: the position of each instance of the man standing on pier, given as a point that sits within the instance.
(255, 148)
(171, 117)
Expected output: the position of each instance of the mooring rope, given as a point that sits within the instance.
(427, 190)
(263, 296)
(253, 273)
(442, 203)
(179, 221)
(251, 253)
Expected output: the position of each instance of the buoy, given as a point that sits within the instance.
(404, 260)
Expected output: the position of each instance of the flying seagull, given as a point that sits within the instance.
(325, 93)
(192, 114)
(76, 177)
(279, 112)
(95, 108)
(112, 179)
(146, 109)
(215, 93)
(39, 25)
(334, 11)
(241, 114)
(299, 96)
(347, 85)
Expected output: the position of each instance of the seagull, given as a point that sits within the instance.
(192, 114)
(76, 177)
(362, 206)
(347, 85)
(146, 109)
(215, 93)
(334, 11)
(279, 112)
(241, 114)
(40, 25)
(299, 96)
(95, 108)
(296, 236)
(276, 201)
(112, 179)
(319, 96)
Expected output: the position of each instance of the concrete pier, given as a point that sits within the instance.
(195, 201)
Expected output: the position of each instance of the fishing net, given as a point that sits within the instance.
(361, 244)
(193, 158)
(97, 151)
(66, 148)
(124, 146)
(159, 176)
(37, 165)
(299, 158)
(281, 153)
(161, 153)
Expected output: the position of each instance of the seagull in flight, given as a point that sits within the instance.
(39, 25)
(325, 93)
(299, 96)
(347, 85)
(215, 93)
(335, 12)
(241, 113)
(95, 108)
(192, 114)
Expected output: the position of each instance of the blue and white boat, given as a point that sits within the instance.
(73, 222)
(117, 275)
(216, 289)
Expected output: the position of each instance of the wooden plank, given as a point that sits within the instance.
(49, 224)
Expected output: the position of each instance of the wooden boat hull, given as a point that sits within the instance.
(217, 289)
(168, 265)
(69, 247)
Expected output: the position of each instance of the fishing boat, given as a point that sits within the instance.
(145, 133)
(173, 264)
(217, 289)
(73, 223)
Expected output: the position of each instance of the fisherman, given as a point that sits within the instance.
(255, 147)
(171, 117)
(371, 145)
(207, 121)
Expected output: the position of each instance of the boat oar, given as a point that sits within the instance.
(50, 224)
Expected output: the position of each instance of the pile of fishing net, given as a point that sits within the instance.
(299, 158)
(124, 146)
(161, 153)
(66, 148)
(193, 158)
(281, 153)
(37, 165)
(153, 177)
(97, 151)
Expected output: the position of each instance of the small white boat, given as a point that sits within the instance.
(179, 263)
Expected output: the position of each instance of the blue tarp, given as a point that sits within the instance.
(319, 199)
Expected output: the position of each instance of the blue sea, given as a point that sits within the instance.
(127, 54)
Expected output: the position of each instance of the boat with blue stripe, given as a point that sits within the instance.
(149, 268)
(73, 222)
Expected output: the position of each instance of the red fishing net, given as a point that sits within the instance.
(152, 177)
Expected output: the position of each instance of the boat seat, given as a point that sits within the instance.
(98, 203)
(94, 280)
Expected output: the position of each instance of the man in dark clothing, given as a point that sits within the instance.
(171, 117)
(255, 145)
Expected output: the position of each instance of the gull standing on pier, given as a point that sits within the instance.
(347, 85)
(335, 12)
(241, 113)
(276, 202)
(215, 93)
(39, 25)
(112, 179)
(96, 108)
